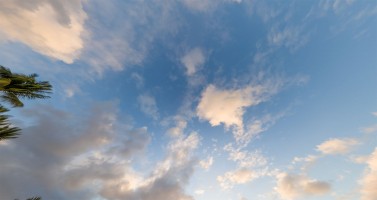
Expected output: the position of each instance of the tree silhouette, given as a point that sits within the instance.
(14, 86)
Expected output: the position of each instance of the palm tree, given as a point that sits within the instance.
(6, 129)
(14, 86)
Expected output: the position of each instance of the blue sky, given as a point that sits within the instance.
(193, 100)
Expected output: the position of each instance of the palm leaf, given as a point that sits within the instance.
(15, 86)
(11, 99)
(6, 130)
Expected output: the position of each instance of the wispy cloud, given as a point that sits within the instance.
(370, 129)
(250, 165)
(369, 180)
(337, 146)
(128, 41)
(293, 186)
(148, 105)
(239, 176)
(193, 60)
(207, 163)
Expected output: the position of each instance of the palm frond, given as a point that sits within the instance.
(11, 99)
(23, 86)
(6, 129)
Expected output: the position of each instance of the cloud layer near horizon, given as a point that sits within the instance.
(81, 162)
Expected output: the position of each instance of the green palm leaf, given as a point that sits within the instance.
(11, 99)
(14, 86)
(6, 130)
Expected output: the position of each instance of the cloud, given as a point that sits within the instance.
(289, 37)
(148, 105)
(44, 24)
(131, 35)
(239, 176)
(66, 155)
(199, 192)
(337, 146)
(250, 165)
(205, 5)
(227, 106)
(200, 5)
(370, 129)
(206, 164)
(369, 180)
(245, 159)
(169, 177)
(61, 149)
(118, 181)
(180, 125)
(193, 60)
(253, 128)
(292, 186)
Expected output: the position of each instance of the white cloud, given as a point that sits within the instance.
(148, 105)
(193, 60)
(253, 128)
(200, 5)
(139, 80)
(245, 159)
(291, 186)
(337, 146)
(369, 180)
(239, 176)
(44, 24)
(206, 164)
(359, 159)
(228, 106)
(128, 41)
(370, 129)
(199, 192)
(250, 165)
(178, 129)
(290, 37)
(206, 5)
(306, 162)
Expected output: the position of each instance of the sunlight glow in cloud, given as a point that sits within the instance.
(227, 106)
(369, 181)
(337, 146)
(43, 25)
(291, 186)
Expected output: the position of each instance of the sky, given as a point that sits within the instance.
(193, 100)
